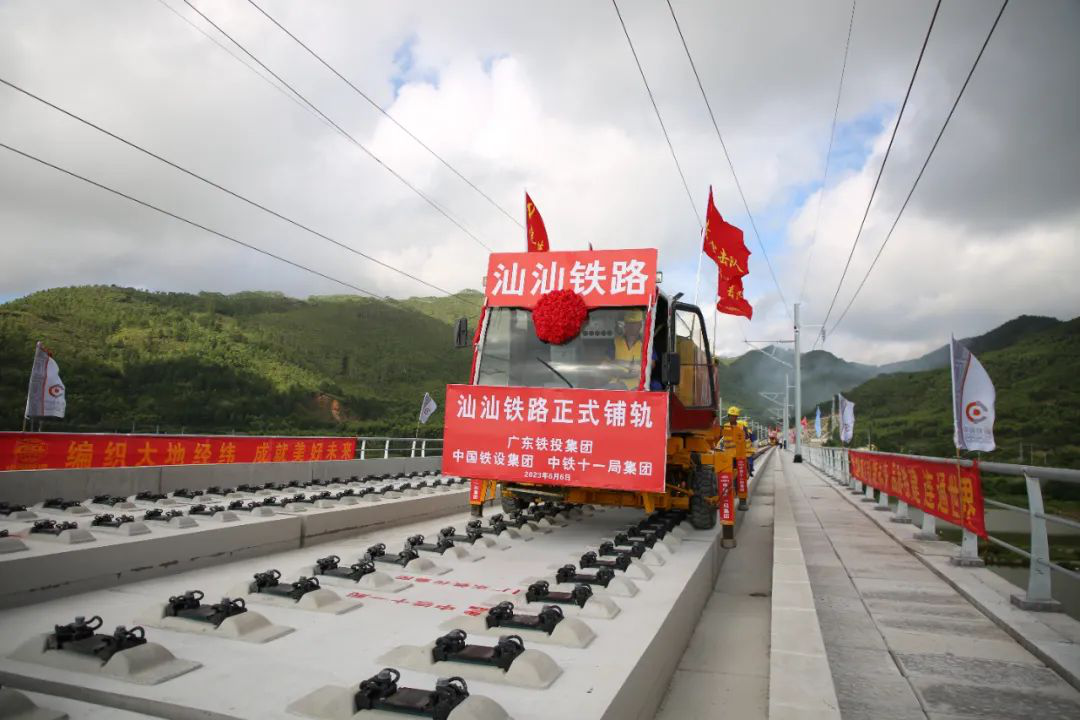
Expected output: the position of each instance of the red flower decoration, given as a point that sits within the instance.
(559, 316)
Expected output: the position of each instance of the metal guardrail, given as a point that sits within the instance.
(834, 463)
(368, 448)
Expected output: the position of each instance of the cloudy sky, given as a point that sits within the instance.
(546, 98)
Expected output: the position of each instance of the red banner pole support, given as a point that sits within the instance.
(726, 508)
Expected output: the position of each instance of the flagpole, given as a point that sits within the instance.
(697, 280)
(30, 388)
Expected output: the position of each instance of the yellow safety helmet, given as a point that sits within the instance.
(743, 423)
(634, 316)
(733, 410)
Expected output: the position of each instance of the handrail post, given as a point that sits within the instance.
(901, 514)
(883, 502)
(423, 448)
(869, 496)
(969, 551)
(928, 529)
(363, 448)
(386, 449)
(412, 450)
(1038, 596)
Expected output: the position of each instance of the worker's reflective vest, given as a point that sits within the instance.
(734, 441)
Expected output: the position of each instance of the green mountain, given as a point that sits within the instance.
(743, 378)
(1037, 379)
(251, 362)
(1000, 337)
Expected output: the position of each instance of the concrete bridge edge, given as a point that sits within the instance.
(1053, 638)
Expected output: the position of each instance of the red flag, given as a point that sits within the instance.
(724, 244)
(731, 300)
(535, 232)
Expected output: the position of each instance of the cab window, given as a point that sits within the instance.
(694, 389)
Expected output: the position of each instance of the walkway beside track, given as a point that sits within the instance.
(725, 669)
(901, 642)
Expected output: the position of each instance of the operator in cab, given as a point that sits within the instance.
(628, 345)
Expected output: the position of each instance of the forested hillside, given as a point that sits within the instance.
(1037, 380)
(249, 363)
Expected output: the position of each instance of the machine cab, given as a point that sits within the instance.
(626, 342)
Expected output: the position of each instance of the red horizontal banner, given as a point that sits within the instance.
(40, 451)
(942, 489)
(603, 278)
(614, 439)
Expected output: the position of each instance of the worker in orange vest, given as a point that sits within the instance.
(734, 436)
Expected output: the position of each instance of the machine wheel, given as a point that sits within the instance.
(703, 485)
(519, 501)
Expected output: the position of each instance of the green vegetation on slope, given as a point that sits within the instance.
(1038, 406)
(250, 362)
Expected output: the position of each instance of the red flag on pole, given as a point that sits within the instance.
(535, 232)
(724, 243)
(730, 297)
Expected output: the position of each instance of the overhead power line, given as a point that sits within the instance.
(236, 57)
(727, 155)
(386, 114)
(923, 168)
(656, 109)
(204, 228)
(185, 220)
(224, 189)
(884, 160)
(828, 154)
(344, 133)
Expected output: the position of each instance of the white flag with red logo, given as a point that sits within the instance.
(45, 396)
(847, 420)
(427, 407)
(973, 401)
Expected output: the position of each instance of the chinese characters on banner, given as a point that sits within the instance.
(604, 278)
(727, 499)
(743, 471)
(39, 451)
(613, 439)
(933, 487)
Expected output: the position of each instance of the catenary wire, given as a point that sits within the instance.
(881, 170)
(828, 155)
(210, 230)
(238, 59)
(224, 189)
(344, 133)
(727, 156)
(656, 109)
(185, 220)
(386, 114)
(923, 168)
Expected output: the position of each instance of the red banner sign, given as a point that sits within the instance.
(40, 451)
(615, 439)
(727, 499)
(743, 477)
(938, 488)
(604, 278)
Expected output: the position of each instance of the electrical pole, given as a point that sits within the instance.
(798, 392)
(787, 387)
(832, 417)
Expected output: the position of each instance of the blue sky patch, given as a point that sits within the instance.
(407, 69)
